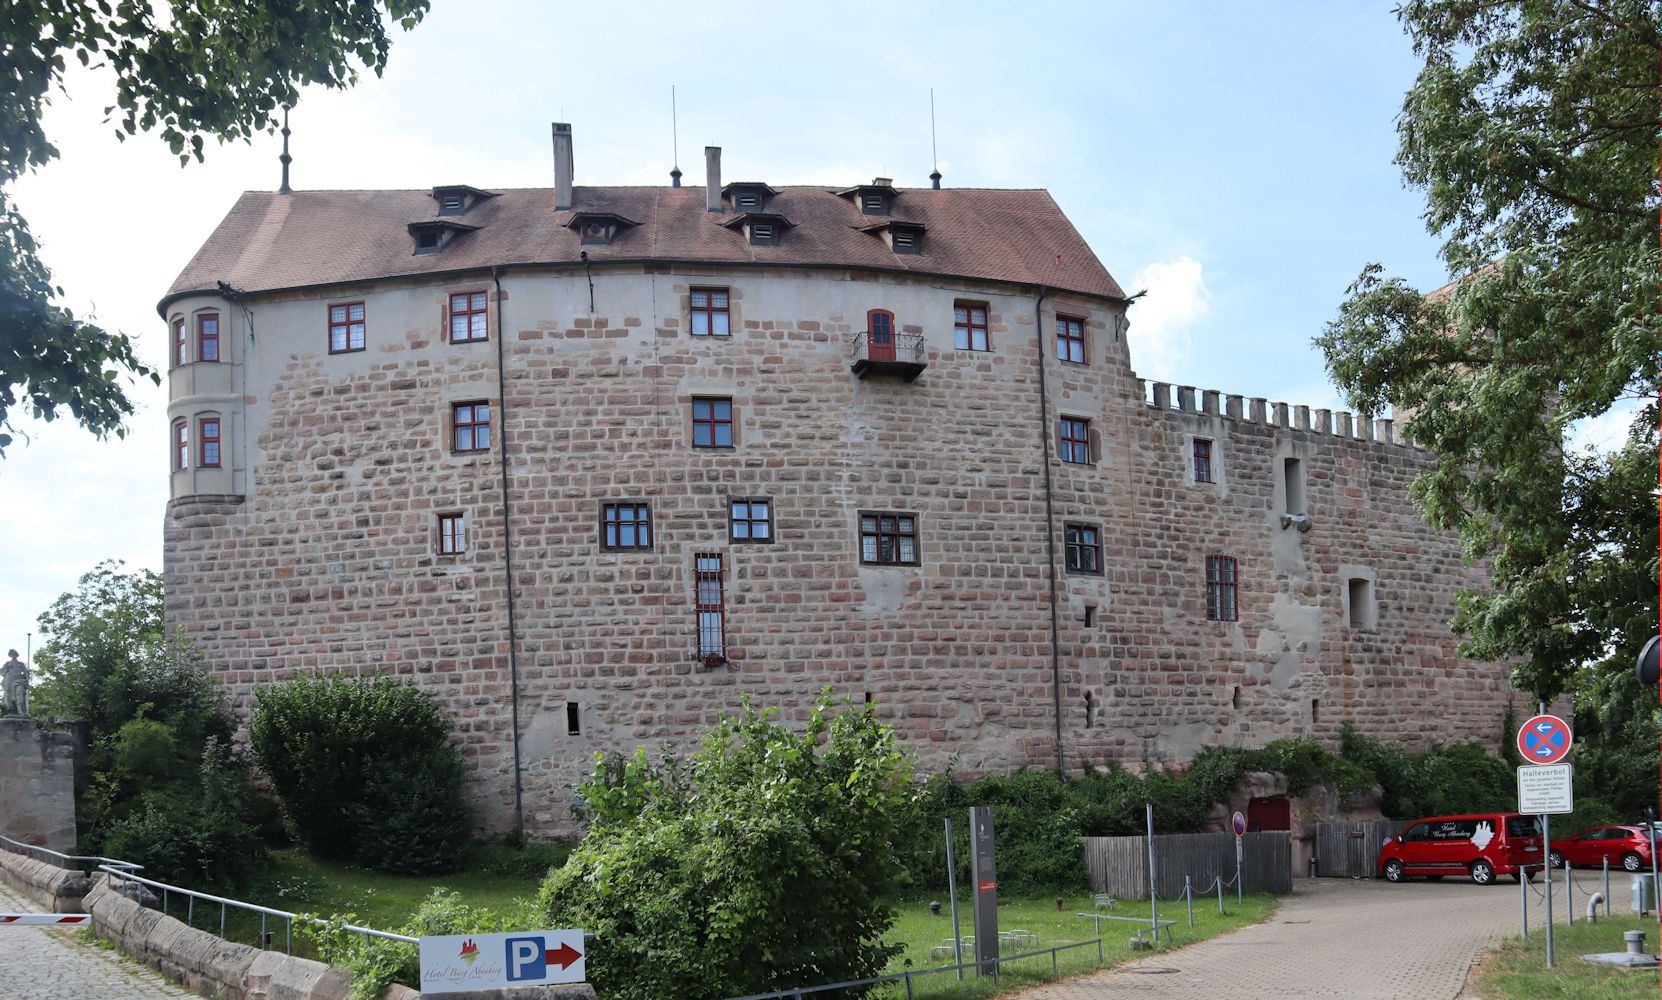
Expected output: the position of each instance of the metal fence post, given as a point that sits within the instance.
(908, 986)
(1569, 892)
(1189, 898)
(1607, 887)
(222, 921)
(1219, 880)
(1523, 897)
(952, 893)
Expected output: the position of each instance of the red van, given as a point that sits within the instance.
(1480, 846)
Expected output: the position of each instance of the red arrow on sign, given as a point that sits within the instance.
(563, 956)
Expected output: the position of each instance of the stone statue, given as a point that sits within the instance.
(14, 686)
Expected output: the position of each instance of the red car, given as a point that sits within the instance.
(1623, 845)
(1478, 847)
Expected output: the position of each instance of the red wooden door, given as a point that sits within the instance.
(880, 335)
(1269, 814)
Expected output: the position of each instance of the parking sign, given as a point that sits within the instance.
(455, 963)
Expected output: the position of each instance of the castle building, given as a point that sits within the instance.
(591, 464)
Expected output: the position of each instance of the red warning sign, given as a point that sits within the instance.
(988, 885)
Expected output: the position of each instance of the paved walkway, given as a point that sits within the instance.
(48, 963)
(1364, 940)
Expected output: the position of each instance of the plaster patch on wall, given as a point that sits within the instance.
(885, 590)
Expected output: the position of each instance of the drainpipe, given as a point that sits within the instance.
(508, 550)
(1050, 525)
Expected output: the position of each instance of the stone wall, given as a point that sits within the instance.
(321, 555)
(37, 784)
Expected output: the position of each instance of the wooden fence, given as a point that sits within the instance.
(1119, 865)
(1351, 849)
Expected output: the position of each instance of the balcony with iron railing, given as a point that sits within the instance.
(885, 352)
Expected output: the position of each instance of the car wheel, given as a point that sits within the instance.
(1393, 871)
(1555, 859)
(1632, 862)
(1482, 872)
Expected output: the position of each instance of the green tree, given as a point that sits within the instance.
(1531, 129)
(158, 782)
(765, 860)
(189, 72)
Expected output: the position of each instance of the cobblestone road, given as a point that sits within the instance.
(1335, 938)
(46, 963)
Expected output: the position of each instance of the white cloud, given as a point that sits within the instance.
(1177, 299)
(1607, 431)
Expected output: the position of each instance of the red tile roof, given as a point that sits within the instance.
(272, 241)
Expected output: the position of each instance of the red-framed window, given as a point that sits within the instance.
(452, 534)
(969, 326)
(181, 445)
(712, 422)
(888, 538)
(469, 316)
(181, 344)
(470, 425)
(1082, 547)
(207, 442)
(1203, 460)
(710, 604)
(710, 316)
(625, 525)
(207, 337)
(750, 519)
(1221, 593)
(1070, 339)
(346, 327)
(1073, 440)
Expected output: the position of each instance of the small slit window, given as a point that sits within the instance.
(1292, 479)
(1364, 611)
(1221, 589)
(1202, 460)
(574, 719)
(710, 605)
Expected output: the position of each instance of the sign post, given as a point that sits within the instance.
(984, 876)
(1545, 787)
(458, 963)
(1238, 822)
(952, 892)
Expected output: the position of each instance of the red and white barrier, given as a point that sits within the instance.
(52, 919)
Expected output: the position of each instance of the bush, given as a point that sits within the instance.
(365, 770)
(194, 833)
(376, 963)
(763, 861)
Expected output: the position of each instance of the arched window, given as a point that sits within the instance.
(181, 445)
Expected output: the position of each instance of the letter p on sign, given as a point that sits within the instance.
(526, 959)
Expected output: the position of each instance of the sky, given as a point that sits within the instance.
(1233, 160)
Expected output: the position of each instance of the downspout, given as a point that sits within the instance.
(508, 551)
(1050, 525)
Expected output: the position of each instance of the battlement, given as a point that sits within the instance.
(1258, 410)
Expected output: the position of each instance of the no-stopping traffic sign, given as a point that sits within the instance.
(1545, 739)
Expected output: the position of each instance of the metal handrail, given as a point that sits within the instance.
(19, 847)
(264, 911)
(996, 962)
(904, 344)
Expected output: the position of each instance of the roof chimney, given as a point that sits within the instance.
(562, 165)
(712, 178)
(935, 179)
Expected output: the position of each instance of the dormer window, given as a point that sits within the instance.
(902, 237)
(748, 196)
(456, 199)
(598, 228)
(761, 229)
(876, 198)
(434, 235)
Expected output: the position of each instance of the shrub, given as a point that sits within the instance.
(763, 861)
(194, 833)
(365, 770)
(376, 963)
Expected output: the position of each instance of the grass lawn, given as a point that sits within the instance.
(1517, 970)
(921, 932)
(495, 876)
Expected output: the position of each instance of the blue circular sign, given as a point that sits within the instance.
(1544, 739)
